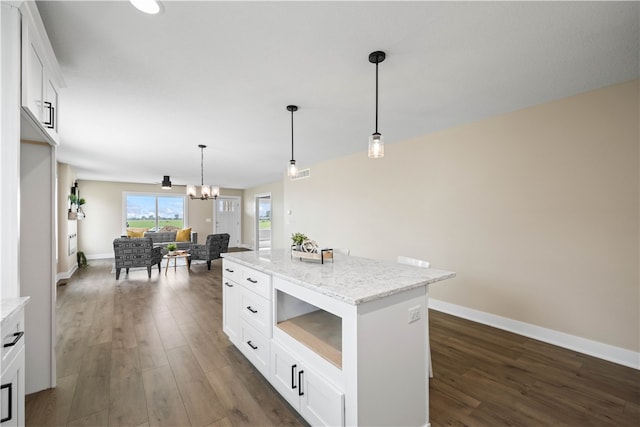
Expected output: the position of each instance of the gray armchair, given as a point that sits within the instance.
(136, 252)
(212, 248)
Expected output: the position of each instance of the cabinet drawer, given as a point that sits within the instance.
(12, 332)
(256, 311)
(257, 281)
(255, 347)
(231, 271)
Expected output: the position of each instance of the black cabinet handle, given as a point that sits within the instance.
(229, 270)
(293, 374)
(251, 309)
(16, 338)
(10, 387)
(300, 392)
(251, 345)
(251, 280)
(49, 123)
(228, 284)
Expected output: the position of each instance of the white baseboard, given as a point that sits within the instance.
(100, 256)
(65, 275)
(600, 350)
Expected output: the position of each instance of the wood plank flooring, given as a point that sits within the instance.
(147, 352)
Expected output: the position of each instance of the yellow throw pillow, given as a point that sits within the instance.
(133, 233)
(183, 235)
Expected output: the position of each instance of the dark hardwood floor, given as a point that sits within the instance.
(143, 352)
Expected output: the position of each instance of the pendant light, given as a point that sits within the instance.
(166, 183)
(206, 192)
(291, 168)
(376, 141)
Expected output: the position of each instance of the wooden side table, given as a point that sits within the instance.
(175, 257)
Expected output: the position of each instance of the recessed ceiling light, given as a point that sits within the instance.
(151, 7)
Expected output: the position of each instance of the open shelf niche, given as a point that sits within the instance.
(313, 327)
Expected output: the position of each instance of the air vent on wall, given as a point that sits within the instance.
(301, 174)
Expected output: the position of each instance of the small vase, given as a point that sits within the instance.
(172, 253)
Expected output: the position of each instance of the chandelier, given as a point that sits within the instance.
(206, 191)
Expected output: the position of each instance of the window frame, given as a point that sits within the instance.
(126, 194)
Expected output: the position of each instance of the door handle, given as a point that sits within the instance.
(293, 374)
(251, 345)
(300, 392)
(228, 284)
(251, 280)
(251, 309)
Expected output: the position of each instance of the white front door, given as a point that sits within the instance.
(227, 218)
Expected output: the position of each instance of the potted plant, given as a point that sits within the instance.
(298, 239)
(73, 199)
(80, 202)
(171, 247)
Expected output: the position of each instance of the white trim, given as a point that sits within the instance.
(66, 274)
(572, 342)
(100, 256)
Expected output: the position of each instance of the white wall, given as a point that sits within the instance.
(67, 264)
(537, 211)
(37, 269)
(104, 213)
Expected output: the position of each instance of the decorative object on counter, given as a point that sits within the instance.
(298, 239)
(309, 246)
(206, 191)
(291, 169)
(376, 141)
(171, 247)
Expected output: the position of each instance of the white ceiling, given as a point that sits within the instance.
(143, 91)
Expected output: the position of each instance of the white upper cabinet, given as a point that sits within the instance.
(41, 79)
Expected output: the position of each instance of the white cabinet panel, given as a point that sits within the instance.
(256, 310)
(230, 309)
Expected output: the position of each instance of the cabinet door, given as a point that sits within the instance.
(12, 392)
(284, 374)
(50, 108)
(32, 76)
(320, 402)
(231, 309)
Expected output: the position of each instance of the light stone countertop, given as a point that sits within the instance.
(353, 280)
(8, 306)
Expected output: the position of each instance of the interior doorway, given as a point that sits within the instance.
(263, 221)
(227, 216)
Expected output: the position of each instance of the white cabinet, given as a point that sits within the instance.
(316, 399)
(12, 379)
(247, 312)
(41, 77)
(231, 301)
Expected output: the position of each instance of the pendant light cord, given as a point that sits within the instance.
(201, 166)
(292, 158)
(376, 96)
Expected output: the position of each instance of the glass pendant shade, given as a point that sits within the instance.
(376, 146)
(215, 191)
(291, 169)
(191, 190)
(206, 191)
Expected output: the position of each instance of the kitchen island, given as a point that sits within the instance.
(345, 342)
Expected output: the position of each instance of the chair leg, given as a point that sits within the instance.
(149, 271)
(208, 264)
(117, 273)
(127, 270)
(159, 267)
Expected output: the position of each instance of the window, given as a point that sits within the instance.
(154, 212)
